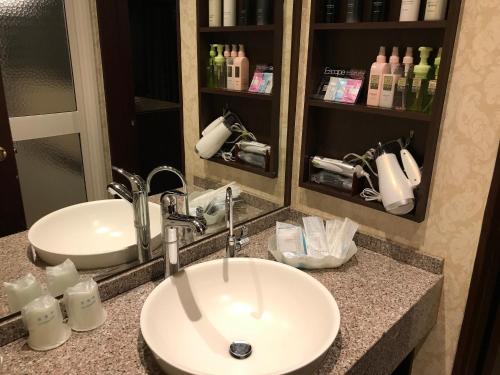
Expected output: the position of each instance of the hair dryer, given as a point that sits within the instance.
(213, 137)
(396, 187)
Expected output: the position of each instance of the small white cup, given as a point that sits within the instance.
(84, 307)
(61, 277)
(44, 321)
(22, 291)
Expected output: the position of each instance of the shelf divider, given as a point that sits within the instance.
(380, 25)
(244, 166)
(360, 108)
(235, 29)
(243, 94)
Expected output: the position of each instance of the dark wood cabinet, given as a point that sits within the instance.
(334, 129)
(260, 113)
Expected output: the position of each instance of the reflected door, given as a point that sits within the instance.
(11, 205)
(42, 104)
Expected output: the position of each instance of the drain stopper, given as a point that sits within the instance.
(240, 349)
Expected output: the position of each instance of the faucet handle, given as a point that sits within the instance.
(168, 200)
(242, 240)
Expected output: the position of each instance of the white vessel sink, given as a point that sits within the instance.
(289, 318)
(93, 235)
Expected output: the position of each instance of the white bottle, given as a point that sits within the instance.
(241, 70)
(214, 13)
(389, 80)
(229, 13)
(230, 67)
(409, 10)
(378, 69)
(435, 10)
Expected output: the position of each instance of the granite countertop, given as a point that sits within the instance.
(386, 306)
(17, 258)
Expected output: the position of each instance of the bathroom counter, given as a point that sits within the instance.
(386, 307)
(17, 258)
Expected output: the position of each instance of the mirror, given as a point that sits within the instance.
(95, 84)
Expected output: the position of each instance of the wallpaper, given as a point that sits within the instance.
(462, 175)
(268, 188)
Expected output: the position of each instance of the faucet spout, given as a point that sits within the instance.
(138, 197)
(117, 189)
(171, 220)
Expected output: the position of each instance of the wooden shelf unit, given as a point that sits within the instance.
(243, 94)
(260, 113)
(334, 129)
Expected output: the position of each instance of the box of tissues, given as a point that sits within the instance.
(318, 245)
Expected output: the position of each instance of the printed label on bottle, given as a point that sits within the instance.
(401, 85)
(374, 82)
(236, 72)
(416, 84)
(387, 83)
(229, 71)
(432, 87)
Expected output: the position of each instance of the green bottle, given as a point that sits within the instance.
(431, 88)
(210, 67)
(220, 68)
(418, 92)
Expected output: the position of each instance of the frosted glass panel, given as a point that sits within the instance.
(50, 174)
(34, 57)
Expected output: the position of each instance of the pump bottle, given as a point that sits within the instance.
(220, 68)
(241, 67)
(431, 89)
(210, 67)
(404, 82)
(389, 80)
(378, 69)
(420, 81)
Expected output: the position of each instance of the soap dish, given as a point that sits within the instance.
(307, 261)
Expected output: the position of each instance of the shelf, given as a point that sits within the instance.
(233, 29)
(409, 115)
(380, 25)
(148, 105)
(245, 167)
(242, 94)
(327, 190)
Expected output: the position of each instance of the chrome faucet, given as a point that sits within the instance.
(233, 243)
(171, 220)
(167, 168)
(138, 196)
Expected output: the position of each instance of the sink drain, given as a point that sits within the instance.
(240, 349)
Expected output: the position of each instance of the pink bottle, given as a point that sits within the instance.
(241, 67)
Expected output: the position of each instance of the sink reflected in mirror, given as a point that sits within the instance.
(93, 235)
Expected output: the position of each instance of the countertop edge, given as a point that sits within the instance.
(404, 336)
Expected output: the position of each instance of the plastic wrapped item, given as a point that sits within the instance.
(44, 321)
(309, 262)
(22, 291)
(339, 235)
(314, 228)
(61, 277)
(289, 239)
(252, 159)
(325, 248)
(332, 179)
(84, 307)
(254, 147)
